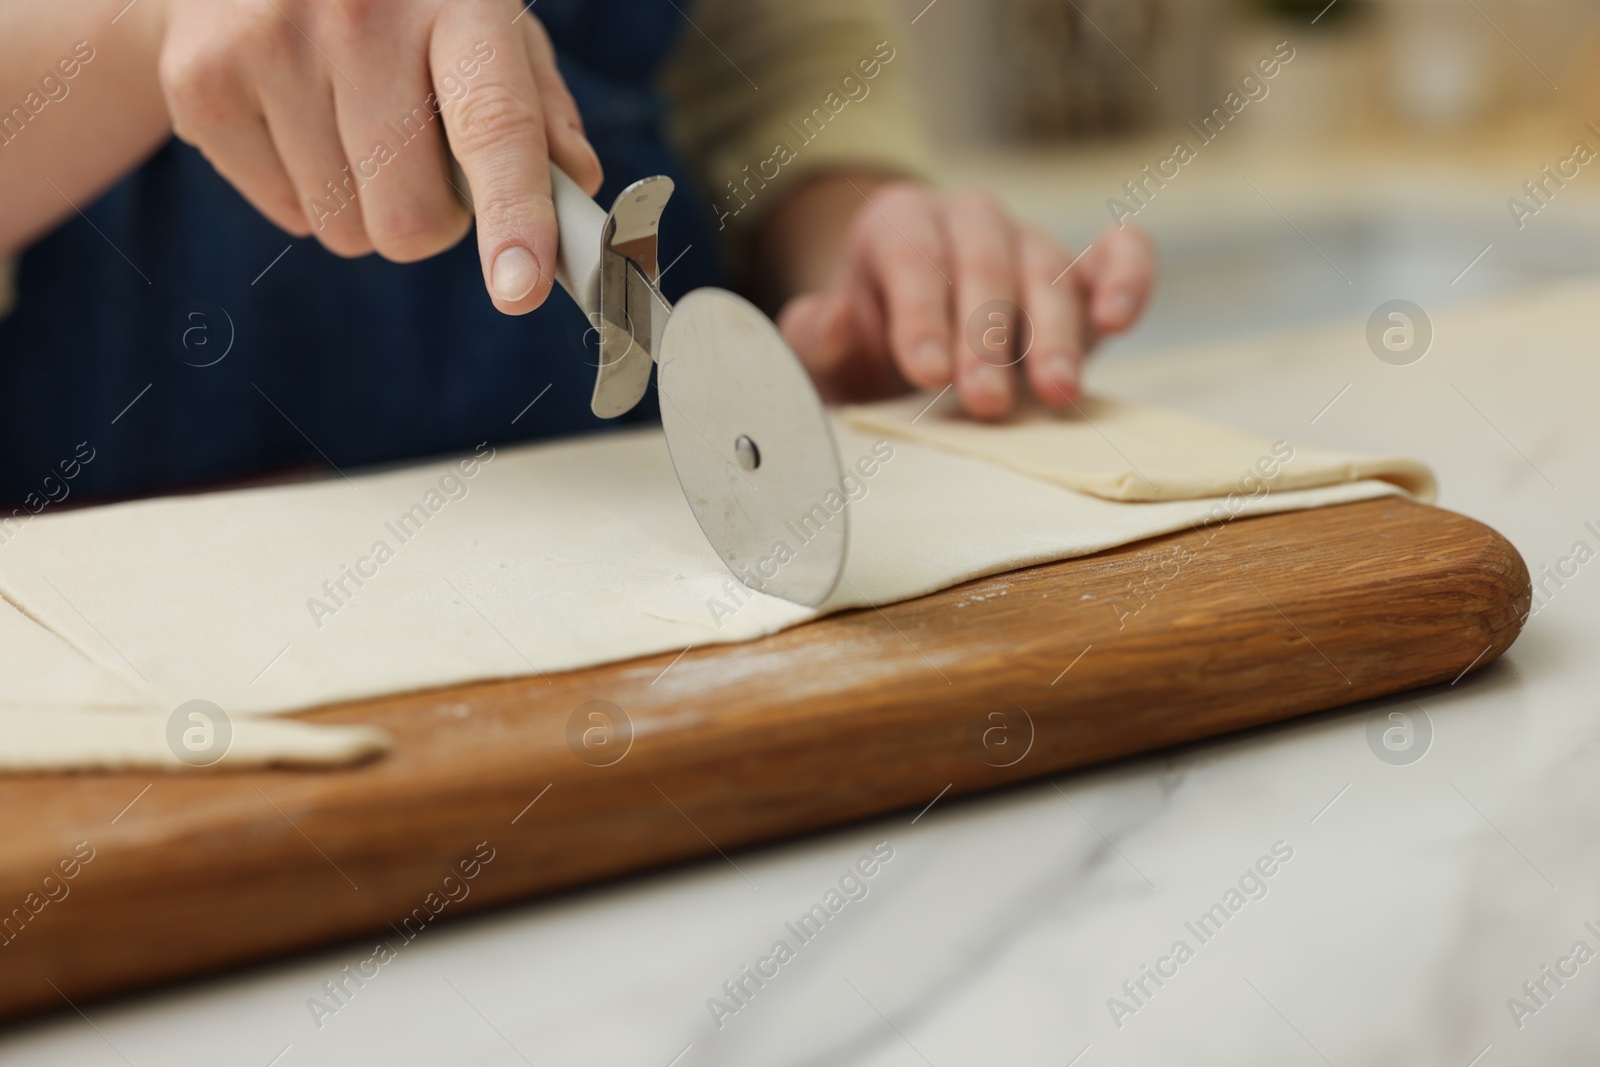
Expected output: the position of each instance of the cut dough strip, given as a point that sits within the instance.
(1121, 451)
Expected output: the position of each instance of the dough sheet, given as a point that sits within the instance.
(538, 559)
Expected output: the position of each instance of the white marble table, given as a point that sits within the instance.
(1419, 897)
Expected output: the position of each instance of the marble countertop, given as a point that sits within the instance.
(1378, 905)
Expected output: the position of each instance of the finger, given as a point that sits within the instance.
(835, 342)
(211, 110)
(243, 153)
(983, 246)
(1120, 278)
(391, 132)
(569, 145)
(299, 111)
(900, 254)
(817, 327)
(497, 132)
(1054, 360)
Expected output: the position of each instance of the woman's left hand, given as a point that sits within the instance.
(931, 289)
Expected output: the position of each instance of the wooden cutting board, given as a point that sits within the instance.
(996, 681)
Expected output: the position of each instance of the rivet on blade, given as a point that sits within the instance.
(747, 452)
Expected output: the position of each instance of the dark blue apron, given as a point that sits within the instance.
(119, 351)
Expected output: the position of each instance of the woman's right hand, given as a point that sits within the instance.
(332, 118)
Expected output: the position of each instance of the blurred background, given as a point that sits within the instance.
(1377, 166)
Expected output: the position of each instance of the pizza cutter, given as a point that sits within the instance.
(751, 443)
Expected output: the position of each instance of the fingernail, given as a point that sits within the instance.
(930, 356)
(515, 273)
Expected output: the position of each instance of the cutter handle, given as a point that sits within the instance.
(582, 223)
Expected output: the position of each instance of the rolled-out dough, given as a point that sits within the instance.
(534, 560)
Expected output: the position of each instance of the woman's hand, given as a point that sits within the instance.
(929, 289)
(332, 116)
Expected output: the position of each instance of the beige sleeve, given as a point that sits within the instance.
(8, 286)
(765, 92)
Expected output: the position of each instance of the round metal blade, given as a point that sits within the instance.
(753, 447)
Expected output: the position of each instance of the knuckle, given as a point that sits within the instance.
(923, 300)
(976, 202)
(991, 262)
(259, 34)
(199, 73)
(282, 210)
(341, 229)
(504, 207)
(990, 278)
(346, 240)
(862, 233)
(289, 218)
(917, 249)
(914, 271)
(357, 16)
(196, 86)
(901, 195)
(491, 115)
(405, 236)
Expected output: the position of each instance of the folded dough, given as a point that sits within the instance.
(59, 710)
(1122, 451)
(72, 739)
(538, 559)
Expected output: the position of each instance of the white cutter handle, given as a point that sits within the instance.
(582, 223)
